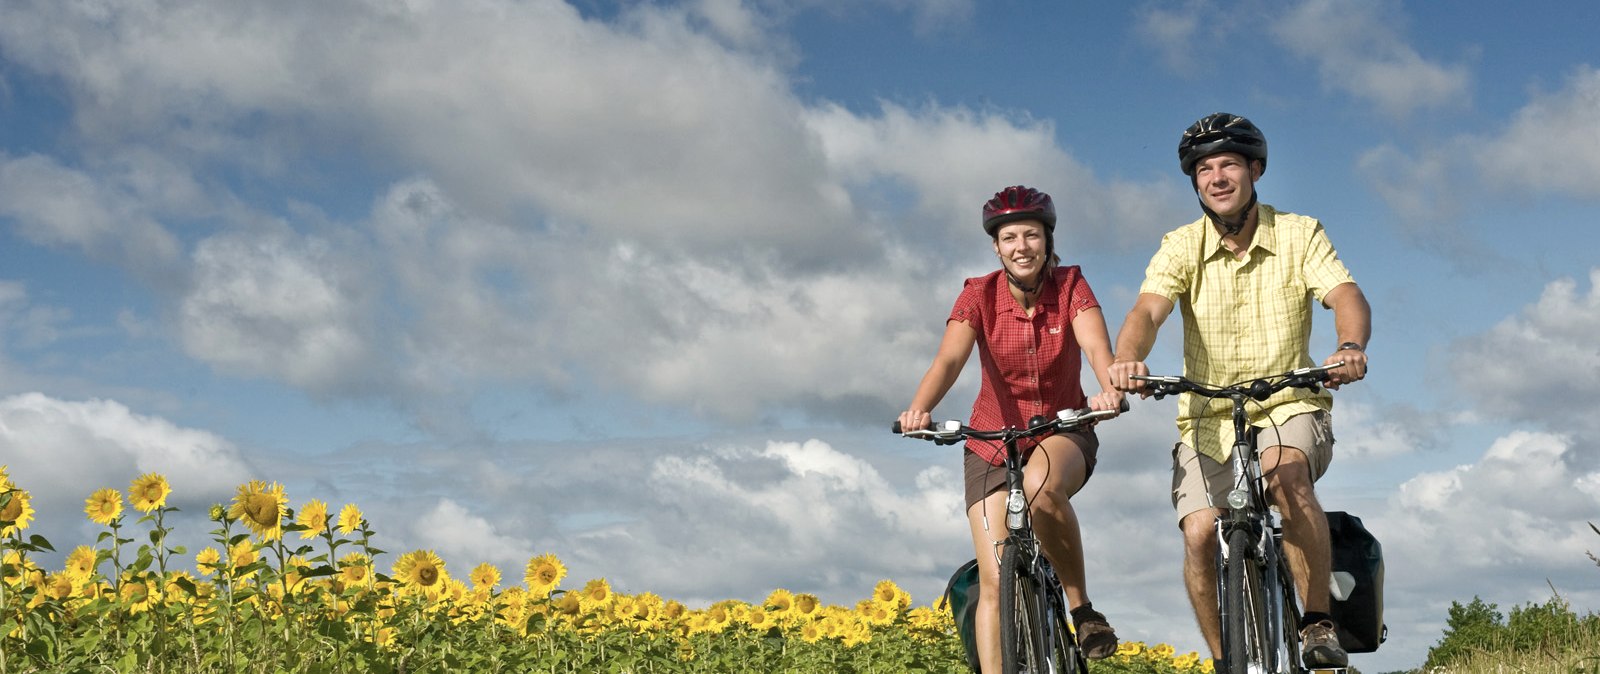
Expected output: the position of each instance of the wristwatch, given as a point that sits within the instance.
(1350, 346)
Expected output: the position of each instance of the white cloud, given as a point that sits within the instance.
(1530, 367)
(1359, 50)
(458, 534)
(1553, 143)
(62, 450)
(57, 206)
(276, 304)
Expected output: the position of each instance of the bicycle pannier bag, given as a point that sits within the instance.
(962, 596)
(1357, 588)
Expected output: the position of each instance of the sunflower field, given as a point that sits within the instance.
(286, 590)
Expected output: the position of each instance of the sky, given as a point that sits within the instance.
(643, 284)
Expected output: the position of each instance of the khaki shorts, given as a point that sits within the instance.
(984, 478)
(1200, 482)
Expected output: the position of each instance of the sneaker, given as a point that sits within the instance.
(1095, 635)
(1319, 646)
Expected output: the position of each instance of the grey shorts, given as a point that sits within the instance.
(1200, 482)
(983, 478)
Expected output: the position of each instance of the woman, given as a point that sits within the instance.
(1030, 319)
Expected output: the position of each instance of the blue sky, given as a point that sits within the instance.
(642, 284)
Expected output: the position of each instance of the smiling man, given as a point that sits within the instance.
(1242, 275)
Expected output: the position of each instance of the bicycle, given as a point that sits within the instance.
(1036, 631)
(1255, 590)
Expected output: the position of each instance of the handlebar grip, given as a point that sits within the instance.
(1126, 405)
(896, 427)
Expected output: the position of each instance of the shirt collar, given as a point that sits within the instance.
(1047, 294)
(1265, 238)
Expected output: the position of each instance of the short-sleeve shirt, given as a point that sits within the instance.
(1030, 364)
(1245, 318)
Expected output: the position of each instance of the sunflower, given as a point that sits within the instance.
(242, 554)
(60, 586)
(355, 570)
(207, 561)
(596, 595)
(759, 619)
(888, 594)
(314, 517)
(781, 602)
(82, 562)
(544, 574)
(136, 595)
(104, 506)
(806, 605)
(261, 507)
(349, 519)
(148, 492)
(17, 512)
(421, 570)
(485, 576)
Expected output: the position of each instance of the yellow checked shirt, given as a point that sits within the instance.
(1244, 318)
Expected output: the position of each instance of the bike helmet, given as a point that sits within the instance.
(1221, 132)
(1018, 203)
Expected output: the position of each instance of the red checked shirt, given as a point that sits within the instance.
(1031, 364)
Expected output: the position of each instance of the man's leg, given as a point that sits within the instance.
(1200, 574)
(1306, 547)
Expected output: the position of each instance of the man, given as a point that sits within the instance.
(1242, 275)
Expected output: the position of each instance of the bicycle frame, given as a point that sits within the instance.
(1045, 644)
(1265, 638)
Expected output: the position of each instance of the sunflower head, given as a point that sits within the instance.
(596, 595)
(421, 570)
(207, 561)
(104, 506)
(355, 569)
(484, 576)
(314, 517)
(82, 562)
(148, 492)
(261, 506)
(349, 519)
(16, 509)
(544, 574)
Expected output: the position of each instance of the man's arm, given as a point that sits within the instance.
(1352, 320)
(1136, 338)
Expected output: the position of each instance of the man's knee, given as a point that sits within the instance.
(1199, 530)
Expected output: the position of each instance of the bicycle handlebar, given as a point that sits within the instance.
(1259, 389)
(953, 431)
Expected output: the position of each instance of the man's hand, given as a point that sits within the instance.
(1354, 369)
(1122, 372)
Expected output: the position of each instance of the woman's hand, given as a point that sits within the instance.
(1106, 400)
(914, 420)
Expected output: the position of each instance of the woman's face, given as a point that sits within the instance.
(1020, 246)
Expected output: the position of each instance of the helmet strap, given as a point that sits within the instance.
(1044, 272)
(1232, 227)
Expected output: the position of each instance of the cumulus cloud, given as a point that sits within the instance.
(61, 207)
(1553, 142)
(1359, 50)
(61, 450)
(1537, 367)
(277, 304)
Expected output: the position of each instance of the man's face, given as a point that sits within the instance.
(1225, 182)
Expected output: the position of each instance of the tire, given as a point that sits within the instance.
(1021, 614)
(1244, 616)
(1065, 656)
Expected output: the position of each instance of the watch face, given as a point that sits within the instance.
(1350, 346)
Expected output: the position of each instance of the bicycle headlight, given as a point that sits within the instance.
(1238, 498)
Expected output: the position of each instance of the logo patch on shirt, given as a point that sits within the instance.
(1055, 330)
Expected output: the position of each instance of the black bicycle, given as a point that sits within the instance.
(1036, 632)
(1254, 587)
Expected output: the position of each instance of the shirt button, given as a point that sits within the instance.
(1033, 377)
(1030, 349)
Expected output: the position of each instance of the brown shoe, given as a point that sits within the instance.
(1095, 635)
(1319, 646)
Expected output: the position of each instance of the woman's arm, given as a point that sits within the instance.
(1089, 326)
(954, 349)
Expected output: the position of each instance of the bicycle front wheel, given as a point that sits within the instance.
(1021, 614)
(1244, 616)
(1062, 642)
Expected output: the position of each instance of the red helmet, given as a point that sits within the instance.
(1018, 203)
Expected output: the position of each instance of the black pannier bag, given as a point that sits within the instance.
(1357, 592)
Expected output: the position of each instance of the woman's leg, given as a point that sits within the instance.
(985, 537)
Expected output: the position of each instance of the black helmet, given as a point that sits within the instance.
(1221, 132)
